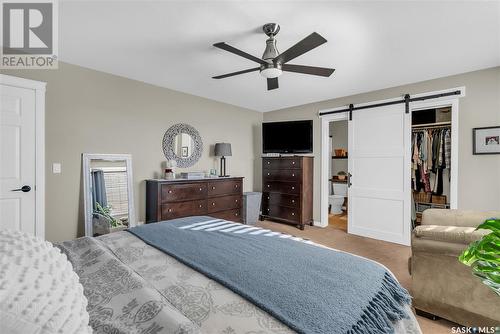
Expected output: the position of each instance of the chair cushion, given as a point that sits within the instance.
(456, 234)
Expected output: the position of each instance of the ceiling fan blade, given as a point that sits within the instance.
(238, 52)
(321, 71)
(307, 44)
(236, 73)
(272, 83)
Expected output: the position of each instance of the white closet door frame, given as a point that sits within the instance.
(325, 156)
(39, 88)
(326, 119)
(453, 103)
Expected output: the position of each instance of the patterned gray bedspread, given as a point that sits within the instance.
(135, 288)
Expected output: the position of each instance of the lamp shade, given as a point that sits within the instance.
(222, 150)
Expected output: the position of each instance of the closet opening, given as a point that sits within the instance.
(338, 175)
(433, 138)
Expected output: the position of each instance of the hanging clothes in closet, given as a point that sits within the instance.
(431, 153)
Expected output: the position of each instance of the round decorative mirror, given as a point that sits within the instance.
(183, 144)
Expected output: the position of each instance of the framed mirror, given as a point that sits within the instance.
(108, 193)
(183, 144)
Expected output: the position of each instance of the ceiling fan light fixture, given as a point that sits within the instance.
(271, 72)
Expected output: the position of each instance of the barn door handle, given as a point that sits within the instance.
(24, 189)
(349, 176)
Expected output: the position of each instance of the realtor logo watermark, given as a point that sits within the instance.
(29, 34)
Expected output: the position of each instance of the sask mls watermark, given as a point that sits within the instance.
(29, 34)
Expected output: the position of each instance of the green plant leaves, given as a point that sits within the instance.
(484, 255)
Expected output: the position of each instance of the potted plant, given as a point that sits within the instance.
(484, 255)
(104, 222)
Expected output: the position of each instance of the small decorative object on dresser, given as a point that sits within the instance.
(223, 150)
(287, 185)
(169, 199)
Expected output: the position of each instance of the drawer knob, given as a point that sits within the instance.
(201, 189)
(268, 209)
(293, 174)
(268, 174)
(169, 210)
(293, 201)
(213, 187)
(213, 203)
(170, 191)
(201, 205)
(293, 162)
(236, 214)
(236, 186)
(236, 200)
(293, 213)
(268, 197)
(293, 188)
(269, 162)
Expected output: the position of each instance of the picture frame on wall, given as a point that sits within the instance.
(486, 140)
(185, 151)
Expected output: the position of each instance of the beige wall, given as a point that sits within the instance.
(94, 112)
(478, 176)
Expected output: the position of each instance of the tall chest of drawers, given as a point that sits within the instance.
(287, 190)
(170, 199)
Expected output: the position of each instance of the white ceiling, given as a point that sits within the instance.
(371, 44)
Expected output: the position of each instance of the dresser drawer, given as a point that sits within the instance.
(292, 188)
(183, 209)
(291, 201)
(282, 212)
(183, 192)
(224, 203)
(231, 215)
(282, 163)
(282, 175)
(229, 187)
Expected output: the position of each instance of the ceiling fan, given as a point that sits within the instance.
(274, 63)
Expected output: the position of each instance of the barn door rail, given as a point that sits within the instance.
(407, 99)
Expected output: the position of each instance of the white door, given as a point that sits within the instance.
(379, 161)
(17, 159)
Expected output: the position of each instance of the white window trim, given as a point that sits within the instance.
(39, 88)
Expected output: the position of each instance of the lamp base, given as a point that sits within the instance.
(224, 175)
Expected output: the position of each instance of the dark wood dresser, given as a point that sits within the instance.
(287, 190)
(169, 199)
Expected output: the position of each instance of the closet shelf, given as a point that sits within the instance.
(337, 181)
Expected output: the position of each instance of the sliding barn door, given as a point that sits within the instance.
(379, 161)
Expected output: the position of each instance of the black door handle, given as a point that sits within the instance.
(24, 189)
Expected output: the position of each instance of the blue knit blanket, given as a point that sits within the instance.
(311, 289)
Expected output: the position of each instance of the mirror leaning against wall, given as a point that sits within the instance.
(108, 193)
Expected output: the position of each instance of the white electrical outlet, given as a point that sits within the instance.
(56, 168)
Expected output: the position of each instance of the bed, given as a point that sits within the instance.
(134, 287)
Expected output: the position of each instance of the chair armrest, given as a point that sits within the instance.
(460, 218)
(454, 234)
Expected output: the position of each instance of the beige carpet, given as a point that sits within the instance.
(393, 256)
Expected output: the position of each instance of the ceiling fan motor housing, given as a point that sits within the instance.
(271, 51)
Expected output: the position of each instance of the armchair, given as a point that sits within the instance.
(441, 285)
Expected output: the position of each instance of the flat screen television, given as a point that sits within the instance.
(287, 137)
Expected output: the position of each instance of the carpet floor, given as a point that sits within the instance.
(393, 256)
